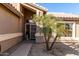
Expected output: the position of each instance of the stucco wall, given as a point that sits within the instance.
(27, 13)
(40, 38)
(77, 29)
(10, 29)
(6, 44)
(9, 22)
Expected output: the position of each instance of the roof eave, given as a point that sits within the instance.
(11, 8)
(38, 7)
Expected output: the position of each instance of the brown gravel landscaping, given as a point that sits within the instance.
(59, 49)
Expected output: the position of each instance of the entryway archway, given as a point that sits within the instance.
(29, 28)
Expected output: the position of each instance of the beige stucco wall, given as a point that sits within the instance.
(77, 28)
(40, 38)
(10, 29)
(9, 22)
(6, 44)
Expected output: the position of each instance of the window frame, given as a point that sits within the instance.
(73, 28)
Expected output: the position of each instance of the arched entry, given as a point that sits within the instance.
(27, 14)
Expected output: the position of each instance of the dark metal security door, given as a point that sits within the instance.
(30, 30)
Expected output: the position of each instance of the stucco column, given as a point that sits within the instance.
(37, 12)
(41, 13)
(37, 29)
(73, 33)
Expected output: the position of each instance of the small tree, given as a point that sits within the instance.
(48, 25)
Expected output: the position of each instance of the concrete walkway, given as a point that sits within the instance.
(22, 50)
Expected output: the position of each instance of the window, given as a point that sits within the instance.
(70, 26)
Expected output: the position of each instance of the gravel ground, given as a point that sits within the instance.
(59, 49)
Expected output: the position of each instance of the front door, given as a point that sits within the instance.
(30, 30)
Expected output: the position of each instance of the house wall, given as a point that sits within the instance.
(76, 38)
(27, 14)
(40, 38)
(77, 28)
(10, 29)
(9, 22)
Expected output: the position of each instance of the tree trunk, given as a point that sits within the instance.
(47, 43)
(53, 42)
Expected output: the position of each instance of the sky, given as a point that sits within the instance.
(62, 7)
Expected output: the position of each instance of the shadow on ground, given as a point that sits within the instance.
(62, 49)
(59, 49)
(16, 47)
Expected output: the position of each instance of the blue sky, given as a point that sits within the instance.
(62, 7)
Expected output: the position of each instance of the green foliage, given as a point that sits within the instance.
(50, 24)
